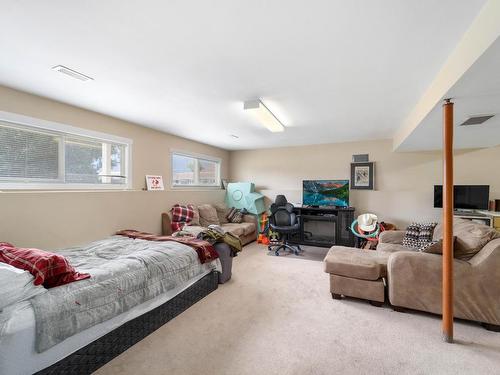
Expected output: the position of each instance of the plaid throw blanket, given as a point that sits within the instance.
(204, 249)
(181, 215)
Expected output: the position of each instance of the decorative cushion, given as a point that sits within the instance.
(235, 215)
(49, 269)
(433, 247)
(471, 237)
(222, 212)
(181, 215)
(208, 215)
(410, 240)
(418, 235)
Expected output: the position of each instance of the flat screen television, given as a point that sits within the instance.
(466, 197)
(325, 193)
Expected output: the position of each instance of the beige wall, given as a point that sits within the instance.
(57, 219)
(404, 181)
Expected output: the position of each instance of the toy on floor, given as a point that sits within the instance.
(367, 230)
(263, 228)
(366, 226)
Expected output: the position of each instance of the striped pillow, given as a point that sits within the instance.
(235, 216)
(418, 235)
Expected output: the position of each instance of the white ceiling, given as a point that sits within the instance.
(477, 92)
(331, 71)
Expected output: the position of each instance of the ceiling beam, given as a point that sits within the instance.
(481, 34)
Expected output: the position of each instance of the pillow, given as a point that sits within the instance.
(208, 215)
(410, 240)
(16, 285)
(222, 212)
(181, 215)
(418, 235)
(195, 221)
(425, 234)
(235, 216)
(434, 247)
(49, 269)
(471, 237)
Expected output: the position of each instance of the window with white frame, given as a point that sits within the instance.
(37, 154)
(194, 170)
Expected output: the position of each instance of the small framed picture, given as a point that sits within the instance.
(362, 175)
(154, 182)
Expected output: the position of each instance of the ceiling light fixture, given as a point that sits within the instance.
(72, 73)
(233, 136)
(264, 115)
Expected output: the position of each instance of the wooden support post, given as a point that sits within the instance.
(448, 221)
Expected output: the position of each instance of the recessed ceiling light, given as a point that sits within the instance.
(233, 136)
(264, 115)
(72, 73)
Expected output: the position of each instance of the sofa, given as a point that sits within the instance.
(207, 214)
(413, 279)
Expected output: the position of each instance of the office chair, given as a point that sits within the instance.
(285, 222)
(280, 200)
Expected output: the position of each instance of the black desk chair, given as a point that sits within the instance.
(285, 222)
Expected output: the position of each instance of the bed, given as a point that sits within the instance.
(136, 286)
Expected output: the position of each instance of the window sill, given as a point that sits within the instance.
(43, 191)
(195, 188)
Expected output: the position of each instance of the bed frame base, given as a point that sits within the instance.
(96, 354)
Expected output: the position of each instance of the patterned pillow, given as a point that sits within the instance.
(410, 240)
(235, 216)
(418, 235)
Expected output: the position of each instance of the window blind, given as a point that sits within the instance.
(28, 155)
(32, 157)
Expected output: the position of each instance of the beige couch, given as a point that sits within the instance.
(215, 214)
(414, 279)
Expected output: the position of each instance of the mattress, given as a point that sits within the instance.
(17, 335)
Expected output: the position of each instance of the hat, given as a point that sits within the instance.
(367, 222)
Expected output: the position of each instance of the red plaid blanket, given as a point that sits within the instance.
(48, 269)
(181, 215)
(204, 249)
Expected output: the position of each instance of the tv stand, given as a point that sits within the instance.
(324, 226)
(474, 215)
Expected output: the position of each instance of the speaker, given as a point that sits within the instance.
(360, 158)
(497, 205)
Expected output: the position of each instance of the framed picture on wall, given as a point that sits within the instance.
(362, 176)
(154, 182)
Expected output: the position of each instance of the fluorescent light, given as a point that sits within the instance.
(264, 115)
(72, 73)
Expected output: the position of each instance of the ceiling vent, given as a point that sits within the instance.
(476, 120)
(72, 73)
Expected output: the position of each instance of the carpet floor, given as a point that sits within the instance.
(276, 316)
